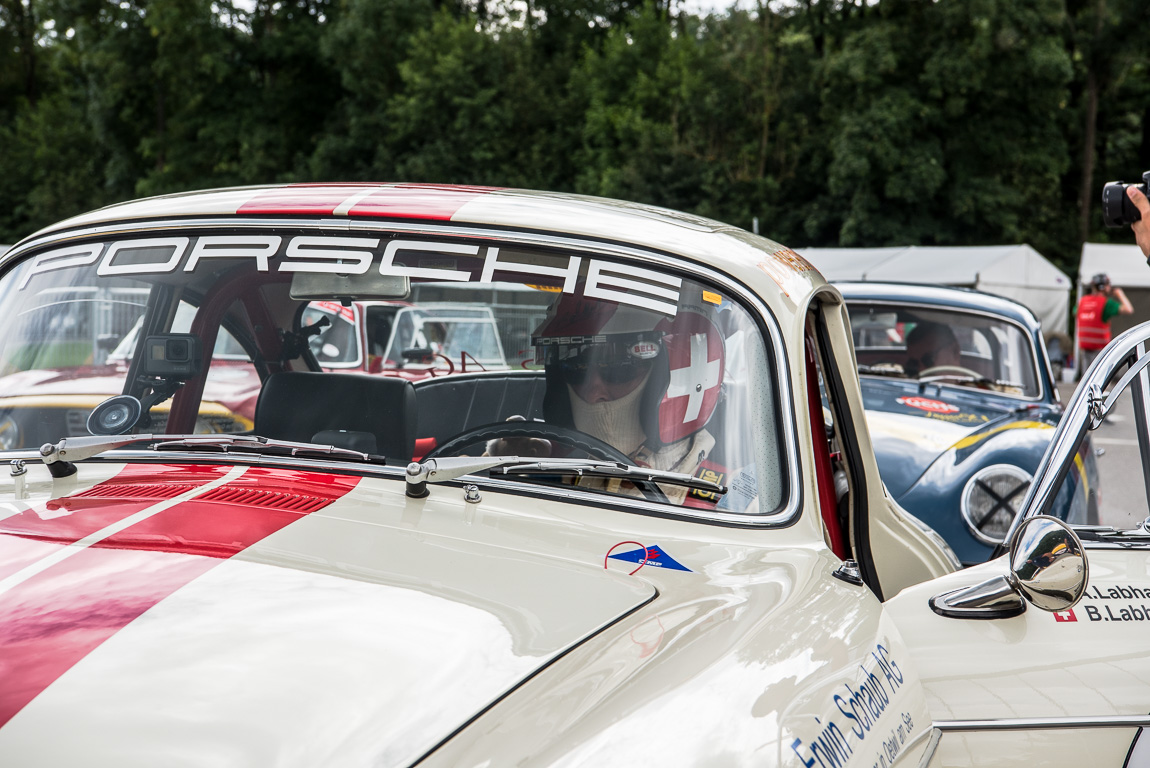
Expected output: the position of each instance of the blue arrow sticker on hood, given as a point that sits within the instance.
(651, 556)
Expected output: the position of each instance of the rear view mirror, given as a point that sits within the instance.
(418, 354)
(874, 321)
(328, 286)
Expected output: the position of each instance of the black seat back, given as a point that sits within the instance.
(373, 414)
(475, 399)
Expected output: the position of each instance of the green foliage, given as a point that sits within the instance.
(950, 124)
(830, 121)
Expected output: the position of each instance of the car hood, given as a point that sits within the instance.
(257, 616)
(910, 431)
(231, 384)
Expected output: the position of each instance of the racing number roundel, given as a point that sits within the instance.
(926, 404)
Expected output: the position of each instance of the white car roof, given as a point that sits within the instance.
(730, 249)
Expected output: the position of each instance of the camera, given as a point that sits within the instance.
(1117, 209)
(172, 356)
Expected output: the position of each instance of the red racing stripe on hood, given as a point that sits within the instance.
(57, 616)
(44, 528)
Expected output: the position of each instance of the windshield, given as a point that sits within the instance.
(949, 346)
(336, 343)
(227, 347)
(412, 349)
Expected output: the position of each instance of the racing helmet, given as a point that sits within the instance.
(682, 357)
(1100, 280)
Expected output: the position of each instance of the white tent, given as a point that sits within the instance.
(1125, 264)
(1015, 271)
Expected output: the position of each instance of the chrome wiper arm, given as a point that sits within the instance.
(58, 457)
(593, 468)
(420, 473)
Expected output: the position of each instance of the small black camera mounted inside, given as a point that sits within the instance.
(176, 356)
(1117, 209)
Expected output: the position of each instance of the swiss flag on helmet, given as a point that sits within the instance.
(695, 359)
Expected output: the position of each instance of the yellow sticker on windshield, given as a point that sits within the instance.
(712, 298)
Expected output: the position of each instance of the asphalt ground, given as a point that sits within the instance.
(1119, 467)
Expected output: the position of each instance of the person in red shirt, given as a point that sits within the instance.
(1093, 315)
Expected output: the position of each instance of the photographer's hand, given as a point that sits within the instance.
(1141, 228)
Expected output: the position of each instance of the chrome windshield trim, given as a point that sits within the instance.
(1086, 405)
(396, 472)
(787, 513)
(1026, 333)
(935, 736)
(1043, 723)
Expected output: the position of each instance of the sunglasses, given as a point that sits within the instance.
(577, 370)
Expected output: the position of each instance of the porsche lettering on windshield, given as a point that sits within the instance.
(419, 259)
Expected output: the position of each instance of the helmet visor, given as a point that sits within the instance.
(613, 359)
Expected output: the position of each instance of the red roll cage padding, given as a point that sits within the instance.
(827, 502)
(206, 325)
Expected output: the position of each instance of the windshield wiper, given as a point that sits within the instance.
(964, 379)
(419, 474)
(262, 445)
(595, 468)
(59, 457)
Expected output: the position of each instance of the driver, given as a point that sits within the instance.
(643, 382)
(931, 345)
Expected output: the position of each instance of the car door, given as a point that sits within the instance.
(893, 549)
(1072, 685)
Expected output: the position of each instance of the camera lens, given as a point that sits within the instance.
(1118, 210)
(1114, 202)
(177, 351)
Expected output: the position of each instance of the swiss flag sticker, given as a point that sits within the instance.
(1067, 615)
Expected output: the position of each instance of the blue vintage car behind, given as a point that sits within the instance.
(961, 404)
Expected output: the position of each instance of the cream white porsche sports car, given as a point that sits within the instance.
(639, 539)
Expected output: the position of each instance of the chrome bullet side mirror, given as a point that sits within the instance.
(1048, 563)
(1047, 567)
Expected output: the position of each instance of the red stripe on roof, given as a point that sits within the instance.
(42, 529)
(400, 201)
(413, 201)
(303, 199)
(54, 619)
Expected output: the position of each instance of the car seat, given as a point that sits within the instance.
(371, 414)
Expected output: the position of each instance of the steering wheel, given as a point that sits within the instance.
(941, 371)
(590, 445)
